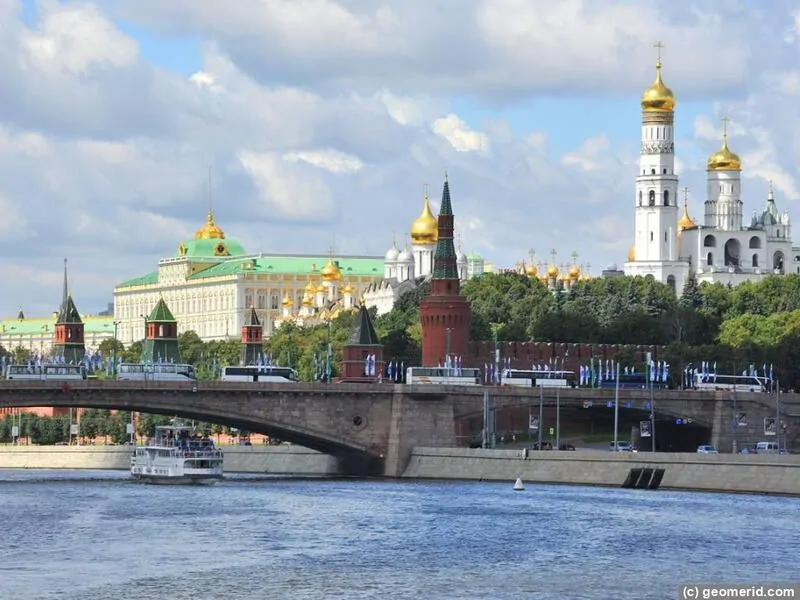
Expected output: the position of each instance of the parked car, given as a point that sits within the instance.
(622, 447)
(707, 449)
(566, 447)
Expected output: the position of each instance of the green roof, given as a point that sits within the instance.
(474, 256)
(350, 266)
(161, 313)
(213, 248)
(38, 326)
(148, 279)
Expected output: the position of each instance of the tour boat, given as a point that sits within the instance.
(177, 455)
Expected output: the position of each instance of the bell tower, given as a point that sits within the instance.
(252, 338)
(445, 314)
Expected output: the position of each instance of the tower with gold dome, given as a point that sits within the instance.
(721, 249)
(424, 235)
(655, 250)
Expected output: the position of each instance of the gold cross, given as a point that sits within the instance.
(659, 46)
(686, 195)
(532, 255)
(553, 255)
(425, 189)
(574, 257)
(725, 121)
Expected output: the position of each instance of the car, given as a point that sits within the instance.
(707, 449)
(622, 447)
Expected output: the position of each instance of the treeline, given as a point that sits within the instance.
(751, 324)
(93, 425)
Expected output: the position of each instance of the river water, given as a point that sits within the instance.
(74, 535)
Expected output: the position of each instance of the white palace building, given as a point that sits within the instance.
(723, 248)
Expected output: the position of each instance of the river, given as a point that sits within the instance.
(75, 535)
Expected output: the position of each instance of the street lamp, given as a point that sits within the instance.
(328, 355)
(496, 327)
(114, 351)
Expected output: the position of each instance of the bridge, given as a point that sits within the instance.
(371, 429)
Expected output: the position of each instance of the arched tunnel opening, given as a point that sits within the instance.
(591, 427)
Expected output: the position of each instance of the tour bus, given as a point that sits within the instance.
(735, 383)
(47, 371)
(442, 376)
(259, 374)
(155, 372)
(538, 378)
(631, 381)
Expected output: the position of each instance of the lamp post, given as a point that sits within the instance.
(328, 356)
(448, 331)
(114, 352)
(496, 327)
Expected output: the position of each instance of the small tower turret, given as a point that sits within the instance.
(252, 337)
(68, 333)
(161, 337)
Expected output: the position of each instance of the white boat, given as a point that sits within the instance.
(177, 455)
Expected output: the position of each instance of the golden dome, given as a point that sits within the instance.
(632, 254)
(310, 288)
(287, 300)
(574, 272)
(724, 159)
(552, 271)
(321, 289)
(308, 300)
(209, 231)
(348, 289)
(686, 221)
(425, 229)
(331, 271)
(531, 270)
(658, 97)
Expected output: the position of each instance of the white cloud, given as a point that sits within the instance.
(321, 120)
(329, 160)
(460, 136)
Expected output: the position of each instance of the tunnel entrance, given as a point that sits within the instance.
(676, 435)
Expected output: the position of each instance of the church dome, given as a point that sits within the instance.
(552, 271)
(348, 290)
(209, 231)
(331, 271)
(686, 221)
(310, 288)
(308, 300)
(632, 254)
(425, 228)
(531, 270)
(574, 273)
(405, 256)
(392, 253)
(287, 301)
(724, 159)
(461, 257)
(658, 97)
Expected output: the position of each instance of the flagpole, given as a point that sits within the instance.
(541, 406)
(558, 419)
(616, 411)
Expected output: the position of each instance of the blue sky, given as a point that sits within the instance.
(321, 120)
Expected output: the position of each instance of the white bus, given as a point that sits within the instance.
(155, 372)
(442, 376)
(546, 379)
(735, 383)
(259, 374)
(45, 371)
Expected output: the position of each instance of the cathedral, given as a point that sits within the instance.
(404, 270)
(721, 249)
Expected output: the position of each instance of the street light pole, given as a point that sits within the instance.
(328, 356)
(114, 352)
(448, 331)
(496, 331)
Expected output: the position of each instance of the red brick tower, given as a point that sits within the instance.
(362, 345)
(68, 340)
(445, 314)
(252, 338)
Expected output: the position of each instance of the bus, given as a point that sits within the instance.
(545, 379)
(259, 374)
(54, 371)
(155, 372)
(735, 383)
(632, 381)
(442, 376)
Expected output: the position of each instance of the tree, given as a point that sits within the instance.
(106, 348)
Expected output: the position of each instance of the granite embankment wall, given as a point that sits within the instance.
(274, 460)
(766, 474)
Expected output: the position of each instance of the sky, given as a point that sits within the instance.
(320, 121)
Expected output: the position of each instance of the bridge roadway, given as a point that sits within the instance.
(371, 429)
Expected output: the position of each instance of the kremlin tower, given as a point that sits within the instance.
(68, 339)
(445, 313)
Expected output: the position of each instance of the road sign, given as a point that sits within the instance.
(552, 431)
(15, 431)
(769, 426)
(73, 429)
(129, 428)
(609, 404)
(678, 421)
(644, 429)
(533, 421)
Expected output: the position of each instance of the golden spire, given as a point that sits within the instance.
(658, 97)
(552, 270)
(574, 271)
(724, 159)
(331, 271)
(685, 222)
(209, 231)
(531, 270)
(425, 229)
